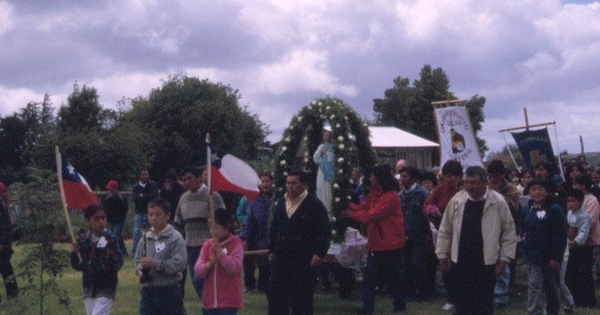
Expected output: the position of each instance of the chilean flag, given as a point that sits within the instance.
(77, 191)
(229, 173)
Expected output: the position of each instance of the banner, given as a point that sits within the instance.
(457, 141)
(535, 146)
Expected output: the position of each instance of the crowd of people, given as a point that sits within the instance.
(471, 224)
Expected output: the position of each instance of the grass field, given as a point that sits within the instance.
(326, 303)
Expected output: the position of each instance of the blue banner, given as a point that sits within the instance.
(535, 146)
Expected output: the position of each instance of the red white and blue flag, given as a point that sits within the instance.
(77, 191)
(229, 173)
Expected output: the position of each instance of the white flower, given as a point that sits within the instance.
(305, 138)
(291, 127)
(333, 232)
(320, 104)
(341, 146)
(349, 197)
(337, 125)
(336, 186)
(346, 118)
(305, 160)
(288, 139)
(328, 107)
(299, 118)
(331, 117)
(333, 219)
(285, 173)
(284, 148)
(340, 171)
(283, 162)
(313, 103)
(340, 160)
(340, 138)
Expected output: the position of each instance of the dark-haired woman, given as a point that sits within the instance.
(382, 215)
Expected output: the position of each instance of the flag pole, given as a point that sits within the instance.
(62, 196)
(211, 200)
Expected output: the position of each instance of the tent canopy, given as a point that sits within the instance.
(392, 137)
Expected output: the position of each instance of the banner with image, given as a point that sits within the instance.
(535, 146)
(456, 137)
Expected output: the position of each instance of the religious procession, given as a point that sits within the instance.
(338, 225)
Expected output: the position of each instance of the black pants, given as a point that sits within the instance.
(10, 282)
(578, 277)
(473, 288)
(250, 264)
(291, 286)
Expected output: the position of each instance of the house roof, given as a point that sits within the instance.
(392, 137)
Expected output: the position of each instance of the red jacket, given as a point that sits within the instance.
(383, 217)
(222, 283)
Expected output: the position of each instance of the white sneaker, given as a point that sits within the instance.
(448, 307)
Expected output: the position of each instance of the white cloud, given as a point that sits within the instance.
(12, 100)
(6, 17)
(302, 70)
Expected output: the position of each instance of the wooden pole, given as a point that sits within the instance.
(63, 197)
(581, 142)
(211, 200)
(527, 127)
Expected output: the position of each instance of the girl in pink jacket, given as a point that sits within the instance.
(220, 265)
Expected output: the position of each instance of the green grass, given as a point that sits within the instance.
(326, 303)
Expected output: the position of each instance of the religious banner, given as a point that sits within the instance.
(457, 141)
(535, 146)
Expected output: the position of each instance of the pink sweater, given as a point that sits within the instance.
(591, 206)
(223, 282)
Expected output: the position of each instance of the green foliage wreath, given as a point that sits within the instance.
(352, 149)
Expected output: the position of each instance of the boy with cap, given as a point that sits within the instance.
(543, 242)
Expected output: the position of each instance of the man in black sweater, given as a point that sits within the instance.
(299, 239)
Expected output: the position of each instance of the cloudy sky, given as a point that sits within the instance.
(282, 54)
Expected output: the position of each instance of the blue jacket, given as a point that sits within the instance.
(255, 229)
(544, 234)
(416, 225)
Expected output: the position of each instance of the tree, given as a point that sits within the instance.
(409, 107)
(177, 116)
(82, 113)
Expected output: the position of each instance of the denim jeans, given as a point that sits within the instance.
(192, 256)
(138, 224)
(161, 302)
(502, 286)
(543, 282)
(116, 228)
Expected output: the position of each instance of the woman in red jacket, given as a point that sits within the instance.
(381, 214)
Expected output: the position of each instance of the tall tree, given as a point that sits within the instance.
(82, 113)
(82, 128)
(409, 107)
(178, 115)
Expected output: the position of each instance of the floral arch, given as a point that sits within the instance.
(352, 149)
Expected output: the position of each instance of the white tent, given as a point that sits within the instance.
(391, 144)
(392, 137)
